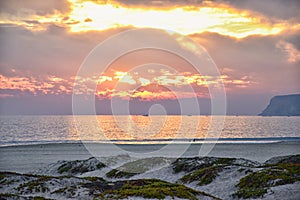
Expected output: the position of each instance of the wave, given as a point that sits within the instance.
(160, 141)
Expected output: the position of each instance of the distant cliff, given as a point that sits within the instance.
(287, 105)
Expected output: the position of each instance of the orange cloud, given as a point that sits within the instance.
(210, 17)
(124, 77)
(185, 19)
(49, 85)
(153, 92)
(164, 85)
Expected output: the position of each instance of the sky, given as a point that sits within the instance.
(254, 44)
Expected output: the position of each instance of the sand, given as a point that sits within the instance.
(28, 158)
(52, 160)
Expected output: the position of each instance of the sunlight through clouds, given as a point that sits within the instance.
(219, 18)
(253, 44)
(154, 87)
(185, 19)
(124, 77)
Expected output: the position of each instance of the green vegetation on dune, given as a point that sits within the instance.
(5, 181)
(257, 183)
(206, 174)
(34, 186)
(60, 190)
(6, 195)
(223, 161)
(192, 164)
(145, 164)
(115, 173)
(79, 167)
(2, 176)
(189, 164)
(152, 189)
(203, 176)
(93, 178)
(14, 196)
(40, 198)
(64, 168)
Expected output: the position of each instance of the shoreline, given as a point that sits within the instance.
(71, 171)
(24, 158)
(261, 140)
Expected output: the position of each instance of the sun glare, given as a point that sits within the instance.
(185, 20)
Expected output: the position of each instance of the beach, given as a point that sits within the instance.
(70, 171)
(25, 158)
(149, 100)
(252, 157)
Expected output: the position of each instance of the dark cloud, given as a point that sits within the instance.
(156, 3)
(55, 51)
(31, 21)
(288, 9)
(88, 20)
(36, 7)
(257, 57)
(294, 39)
(54, 29)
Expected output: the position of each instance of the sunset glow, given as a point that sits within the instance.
(106, 85)
(253, 44)
(185, 20)
(208, 17)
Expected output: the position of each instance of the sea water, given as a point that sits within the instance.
(20, 130)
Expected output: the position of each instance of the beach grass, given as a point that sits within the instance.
(153, 189)
(256, 184)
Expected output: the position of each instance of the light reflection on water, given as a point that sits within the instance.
(15, 129)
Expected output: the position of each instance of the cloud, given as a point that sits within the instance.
(88, 20)
(18, 85)
(33, 7)
(292, 53)
(53, 51)
(272, 8)
(180, 16)
(213, 17)
(41, 53)
(60, 53)
(121, 84)
(144, 81)
(124, 77)
(256, 57)
(158, 4)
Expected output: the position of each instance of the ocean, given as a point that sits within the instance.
(23, 130)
